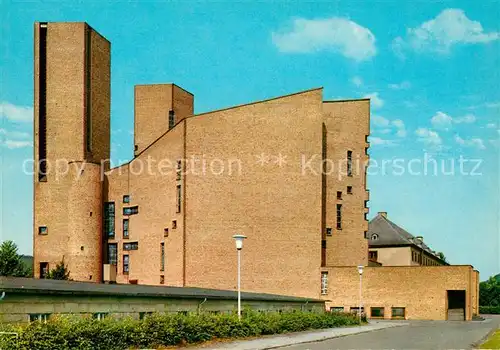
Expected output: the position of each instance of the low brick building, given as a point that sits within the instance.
(288, 172)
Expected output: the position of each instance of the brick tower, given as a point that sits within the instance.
(71, 141)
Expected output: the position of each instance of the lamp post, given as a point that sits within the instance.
(360, 271)
(239, 245)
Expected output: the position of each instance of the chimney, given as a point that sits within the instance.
(383, 213)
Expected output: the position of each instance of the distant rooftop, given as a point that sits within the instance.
(45, 286)
(382, 232)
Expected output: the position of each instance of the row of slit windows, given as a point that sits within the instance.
(375, 312)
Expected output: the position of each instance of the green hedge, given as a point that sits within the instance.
(489, 310)
(161, 330)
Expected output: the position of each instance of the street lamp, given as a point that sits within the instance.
(239, 245)
(360, 271)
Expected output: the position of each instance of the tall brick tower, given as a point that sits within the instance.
(71, 140)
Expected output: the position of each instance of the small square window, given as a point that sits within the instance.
(126, 198)
(328, 231)
(174, 224)
(377, 312)
(349, 189)
(42, 230)
(339, 195)
(398, 312)
(165, 232)
(131, 210)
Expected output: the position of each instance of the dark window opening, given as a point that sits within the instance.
(328, 231)
(88, 92)
(162, 257)
(162, 279)
(39, 317)
(44, 269)
(339, 195)
(171, 119)
(99, 316)
(42, 230)
(136, 148)
(126, 198)
(165, 232)
(130, 246)
(109, 219)
(377, 312)
(398, 312)
(131, 210)
(373, 256)
(179, 198)
(339, 216)
(125, 228)
(112, 253)
(349, 163)
(42, 105)
(349, 189)
(323, 243)
(126, 266)
(174, 224)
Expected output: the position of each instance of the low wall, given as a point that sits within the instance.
(420, 290)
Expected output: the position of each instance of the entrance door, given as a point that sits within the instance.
(456, 305)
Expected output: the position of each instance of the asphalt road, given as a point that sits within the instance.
(416, 335)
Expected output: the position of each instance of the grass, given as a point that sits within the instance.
(493, 342)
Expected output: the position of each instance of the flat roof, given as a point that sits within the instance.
(45, 286)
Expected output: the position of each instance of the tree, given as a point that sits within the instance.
(489, 292)
(441, 256)
(60, 272)
(10, 261)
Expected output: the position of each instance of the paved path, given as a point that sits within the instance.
(276, 341)
(417, 335)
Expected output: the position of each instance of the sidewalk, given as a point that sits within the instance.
(275, 341)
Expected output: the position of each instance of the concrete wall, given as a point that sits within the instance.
(17, 307)
(421, 290)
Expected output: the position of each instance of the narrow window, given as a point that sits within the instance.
(339, 216)
(112, 253)
(349, 163)
(373, 255)
(179, 198)
(339, 195)
(178, 170)
(162, 279)
(125, 228)
(126, 267)
(109, 219)
(174, 224)
(349, 189)
(328, 231)
(171, 119)
(126, 198)
(42, 230)
(323, 243)
(162, 256)
(44, 269)
(165, 232)
(42, 105)
(324, 283)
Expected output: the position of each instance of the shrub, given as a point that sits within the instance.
(160, 330)
(489, 310)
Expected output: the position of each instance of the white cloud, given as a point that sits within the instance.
(329, 34)
(450, 27)
(429, 138)
(377, 141)
(400, 126)
(379, 121)
(375, 101)
(491, 126)
(474, 142)
(487, 105)
(14, 134)
(12, 144)
(16, 113)
(357, 81)
(404, 85)
(443, 121)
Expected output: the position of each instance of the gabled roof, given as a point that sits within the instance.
(383, 232)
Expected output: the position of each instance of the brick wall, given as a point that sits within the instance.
(421, 290)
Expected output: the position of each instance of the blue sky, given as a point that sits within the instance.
(432, 70)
